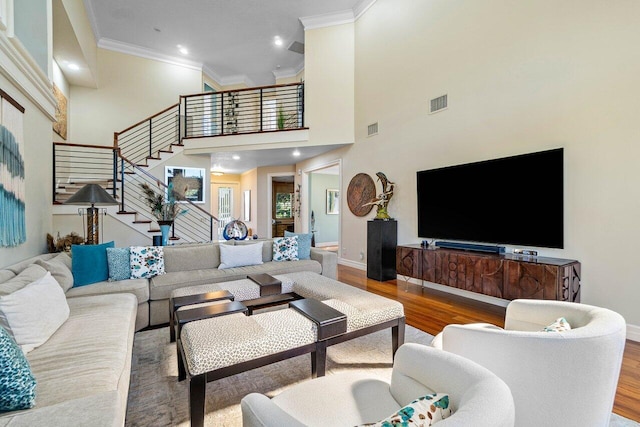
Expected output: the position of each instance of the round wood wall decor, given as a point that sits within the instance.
(361, 190)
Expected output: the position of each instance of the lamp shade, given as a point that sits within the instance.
(91, 194)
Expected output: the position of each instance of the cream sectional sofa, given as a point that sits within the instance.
(83, 370)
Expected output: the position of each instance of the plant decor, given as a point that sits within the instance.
(164, 207)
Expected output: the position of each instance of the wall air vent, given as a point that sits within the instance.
(372, 129)
(438, 104)
(297, 47)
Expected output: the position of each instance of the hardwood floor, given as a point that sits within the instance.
(430, 311)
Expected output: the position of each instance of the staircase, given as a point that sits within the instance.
(149, 143)
(121, 168)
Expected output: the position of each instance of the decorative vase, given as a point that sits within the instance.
(382, 213)
(165, 228)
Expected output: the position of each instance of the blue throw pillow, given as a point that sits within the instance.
(304, 243)
(89, 263)
(119, 265)
(17, 384)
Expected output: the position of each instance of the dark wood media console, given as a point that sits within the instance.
(503, 276)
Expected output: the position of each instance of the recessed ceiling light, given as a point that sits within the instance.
(277, 41)
(183, 50)
(296, 153)
(235, 157)
(74, 67)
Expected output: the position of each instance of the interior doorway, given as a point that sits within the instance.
(225, 203)
(281, 203)
(325, 205)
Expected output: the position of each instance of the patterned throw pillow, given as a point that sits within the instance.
(119, 263)
(285, 248)
(560, 325)
(17, 384)
(425, 411)
(146, 261)
(304, 243)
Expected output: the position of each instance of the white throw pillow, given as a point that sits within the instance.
(240, 256)
(33, 313)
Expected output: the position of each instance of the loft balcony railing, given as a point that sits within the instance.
(75, 165)
(243, 111)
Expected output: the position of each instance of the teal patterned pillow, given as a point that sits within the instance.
(119, 263)
(285, 248)
(304, 243)
(17, 384)
(146, 261)
(425, 411)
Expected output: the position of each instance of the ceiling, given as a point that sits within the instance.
(234, 40)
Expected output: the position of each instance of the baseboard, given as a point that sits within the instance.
(354, 264)
(633, 332)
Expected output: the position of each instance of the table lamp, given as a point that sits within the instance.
(92, 194)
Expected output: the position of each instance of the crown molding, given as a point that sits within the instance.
(19, 67)
(212, 74)
(327, 19)
(143, 52)
(236, 79)
(361, 7)
(284, 73)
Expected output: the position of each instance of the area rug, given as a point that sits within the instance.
(156, 398)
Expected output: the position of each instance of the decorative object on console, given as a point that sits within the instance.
(63, 244)
(163, 207)
(94, 195)
(382, 200)
(360, 191)
(236, 230)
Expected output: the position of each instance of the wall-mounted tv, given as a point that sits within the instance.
(513, 200)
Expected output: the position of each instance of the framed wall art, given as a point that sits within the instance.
(188, 183)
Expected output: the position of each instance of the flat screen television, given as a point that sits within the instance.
(513, 200)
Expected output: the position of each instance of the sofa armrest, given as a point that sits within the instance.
(259, 411)
(328, 260)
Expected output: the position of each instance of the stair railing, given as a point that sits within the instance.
(242, 111)
(77, 164)
(195, 225)
(145, 139)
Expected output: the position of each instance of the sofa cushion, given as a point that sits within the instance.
(17, 384)
(33, 313)
(89, 263)
(191, 257)
(160, 287)
(138, 287)
(89, 354)
(304, 243)
(285, 249)
(118, 260)
(146, 261)
(267, 247)
(26, 276)
(239, 256)
(60, 269)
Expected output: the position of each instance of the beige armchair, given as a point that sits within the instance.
(558, 379)
(477, 396)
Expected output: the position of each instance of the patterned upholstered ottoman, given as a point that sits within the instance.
(215, 348)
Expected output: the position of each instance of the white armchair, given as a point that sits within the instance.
(478, 397)
(561, 379)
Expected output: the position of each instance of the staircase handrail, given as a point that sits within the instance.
(160, 183)
(116, 134)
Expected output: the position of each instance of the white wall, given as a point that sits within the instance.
(521, 77)
(130, 89)
(327, 226)
(36, 151)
